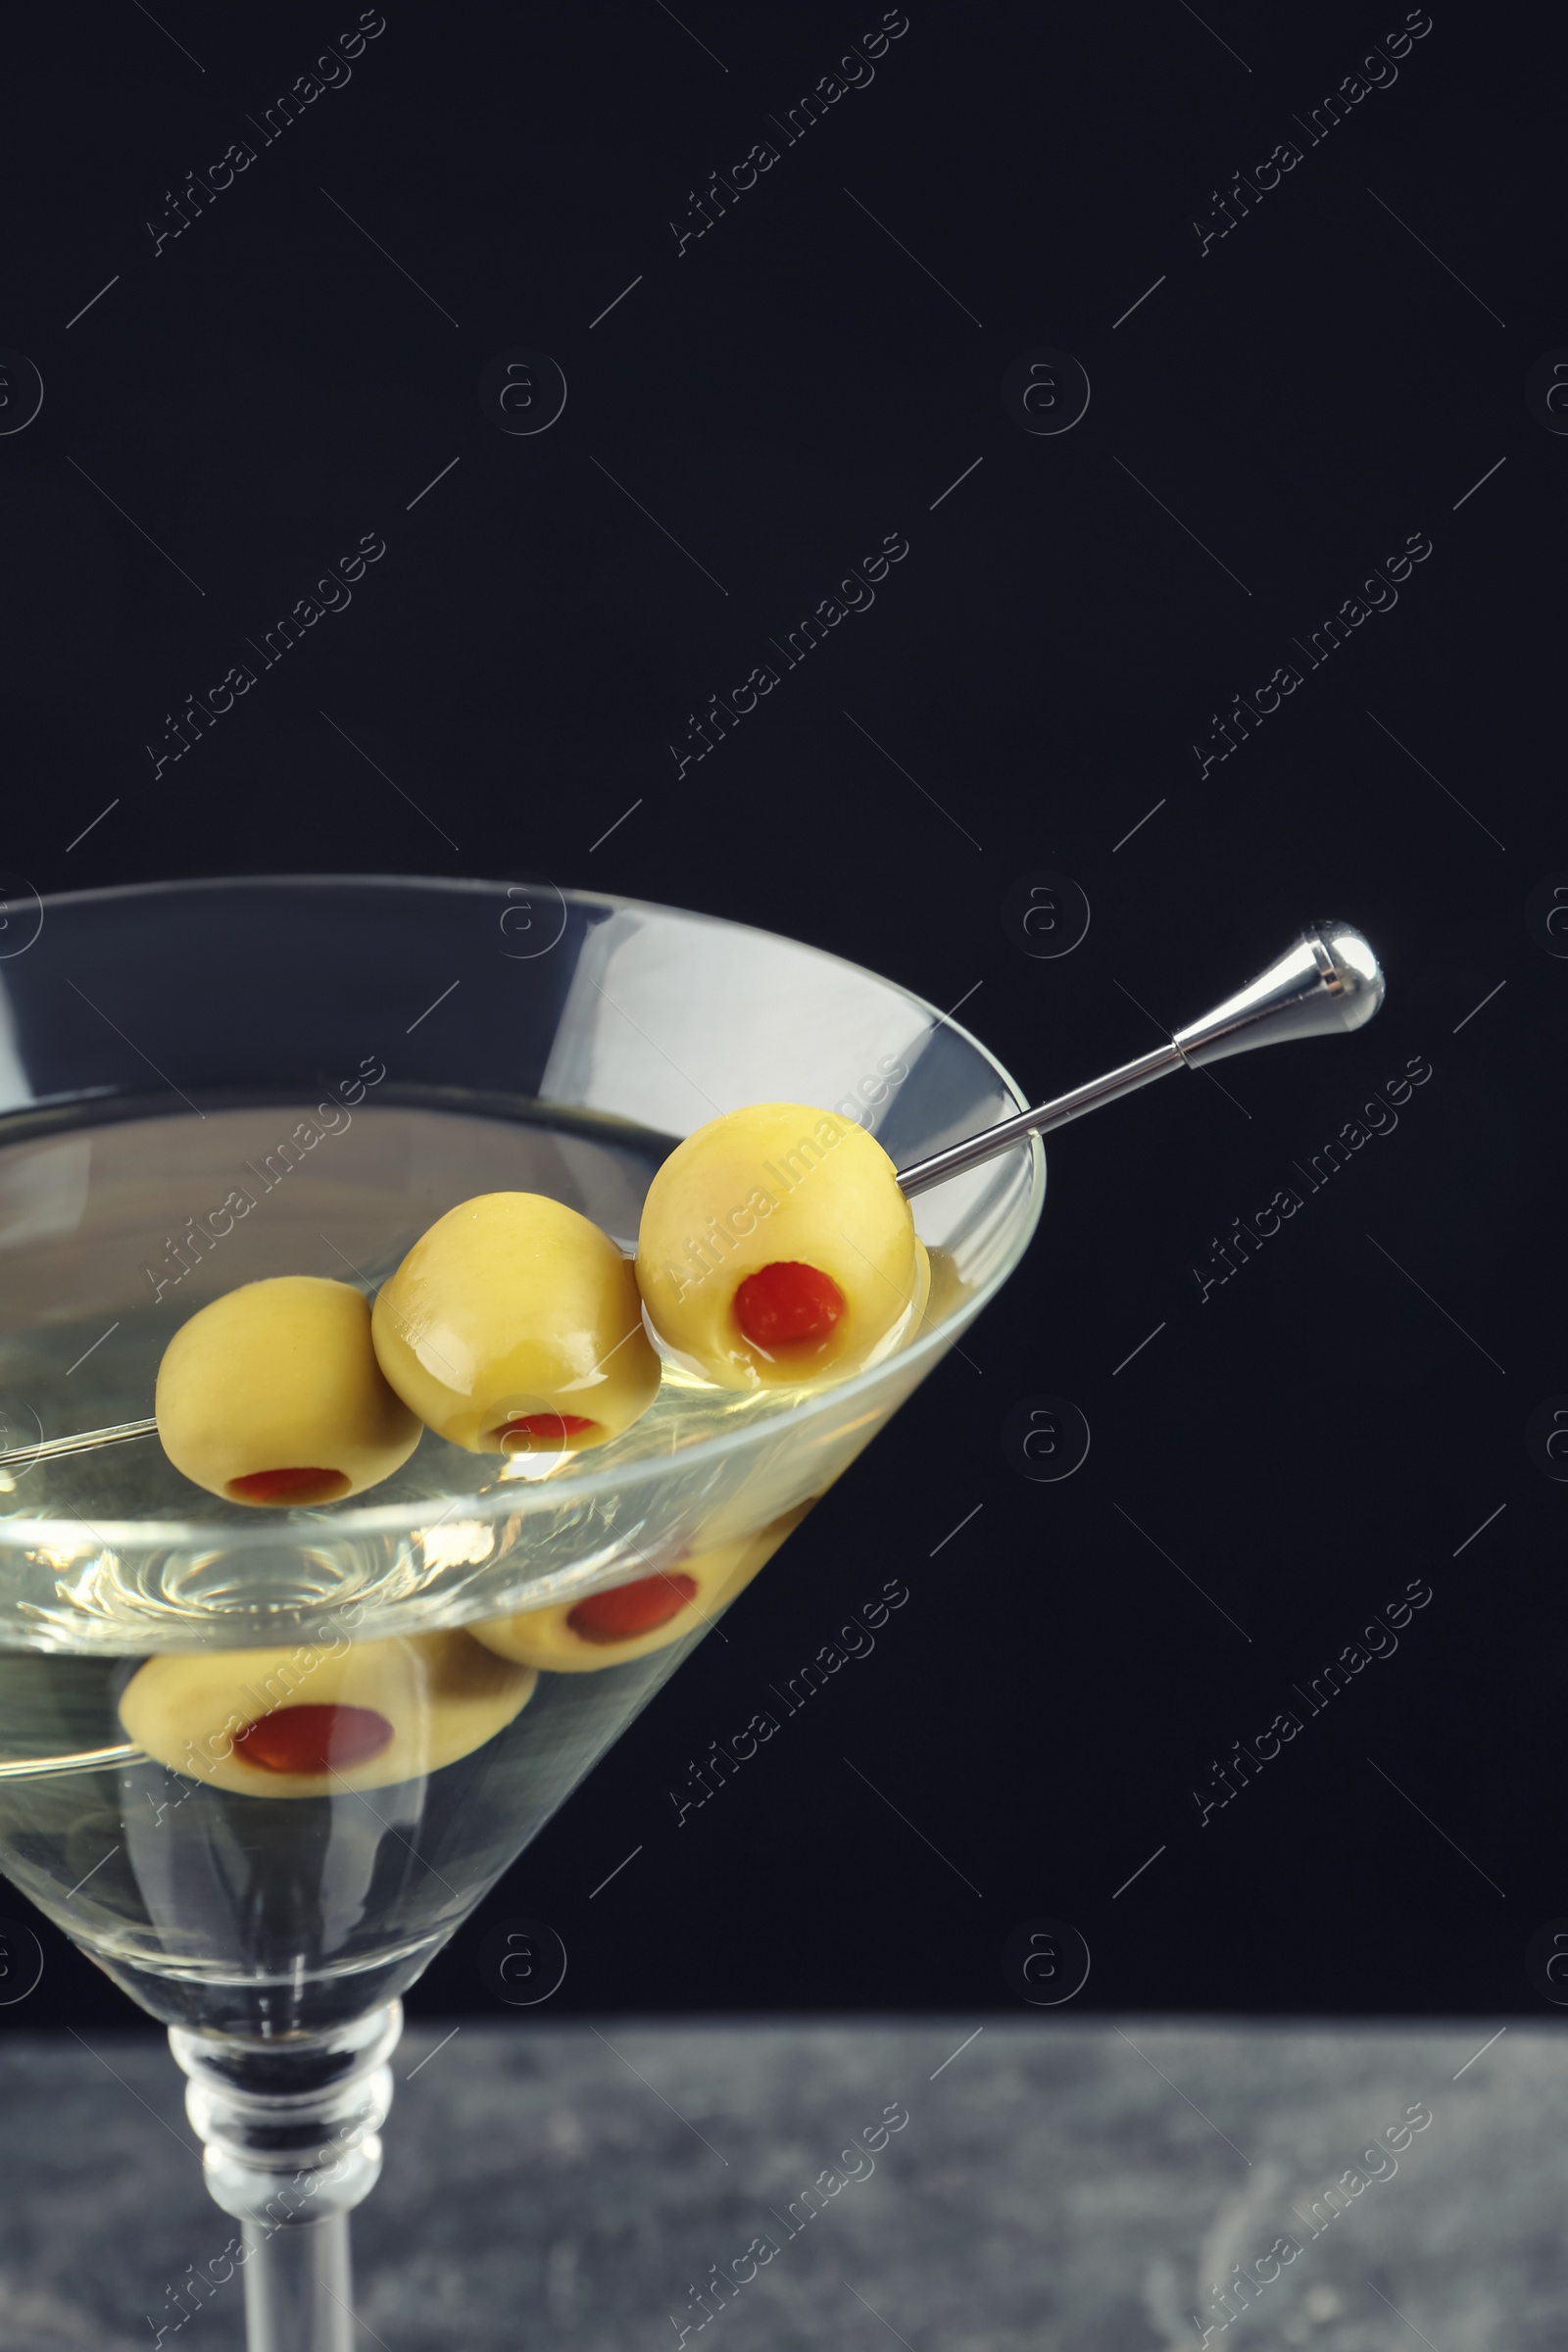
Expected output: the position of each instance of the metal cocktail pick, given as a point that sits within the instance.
(1329, 981)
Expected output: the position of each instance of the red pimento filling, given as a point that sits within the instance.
(289, 1486)
(547, 1431)
(785, 1303)
(633, 1609)
(313, 1739)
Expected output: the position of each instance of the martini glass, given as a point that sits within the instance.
(206, 1084)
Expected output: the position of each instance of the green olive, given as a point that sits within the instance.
(776, 1248)
(272, 1395)
(323, 1721)
(628, 1621)
(515, 1326)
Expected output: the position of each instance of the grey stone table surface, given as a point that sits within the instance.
(1056, 2182)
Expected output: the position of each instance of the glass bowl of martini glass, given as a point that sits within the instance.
(277, 1709)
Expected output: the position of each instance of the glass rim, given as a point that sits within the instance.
(523, 1499)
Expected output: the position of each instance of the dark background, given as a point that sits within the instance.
(1283, 1458)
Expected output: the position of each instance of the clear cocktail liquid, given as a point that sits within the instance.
(253, 1913)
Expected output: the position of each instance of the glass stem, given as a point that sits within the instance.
(299, 2289)
(291, 2128)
